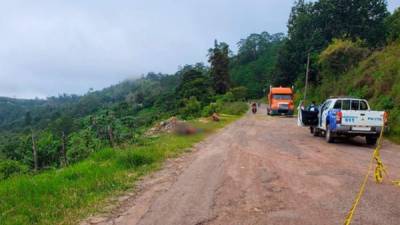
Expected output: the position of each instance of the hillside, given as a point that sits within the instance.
(376, 78)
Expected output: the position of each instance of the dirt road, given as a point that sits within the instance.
(265, 170)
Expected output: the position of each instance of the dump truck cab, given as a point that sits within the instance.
(280, 101)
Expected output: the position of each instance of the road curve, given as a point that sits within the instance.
(265, 170)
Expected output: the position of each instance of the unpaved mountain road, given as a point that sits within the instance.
(265, 170)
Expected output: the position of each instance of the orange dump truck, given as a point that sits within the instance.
(280, 101)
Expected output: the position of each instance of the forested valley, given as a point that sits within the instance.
(345, 45)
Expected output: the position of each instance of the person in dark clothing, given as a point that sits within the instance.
(313, 107)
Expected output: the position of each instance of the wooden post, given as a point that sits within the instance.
(307, 72)
(34, 151)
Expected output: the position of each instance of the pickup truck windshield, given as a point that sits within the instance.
(281, 97)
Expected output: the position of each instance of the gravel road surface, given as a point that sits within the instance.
(264, 170)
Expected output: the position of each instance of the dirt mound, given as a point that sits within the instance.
(171, 125)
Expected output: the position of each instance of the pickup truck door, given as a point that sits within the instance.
(323, 113)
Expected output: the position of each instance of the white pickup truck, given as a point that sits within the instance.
(344, 116)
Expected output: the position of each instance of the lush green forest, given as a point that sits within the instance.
(344, 43)
(52, 133)
(354, 49)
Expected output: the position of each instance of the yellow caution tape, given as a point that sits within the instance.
(396, 183)
(379, 171)
(349, 216)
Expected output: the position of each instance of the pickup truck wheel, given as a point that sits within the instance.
(328, 135)
(371, 140)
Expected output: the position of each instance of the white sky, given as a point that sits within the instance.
(48, 47)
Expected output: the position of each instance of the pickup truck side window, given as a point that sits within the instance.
(346, 105)
(326, 105)
(355, 104)
(338, 104)
(363, 105)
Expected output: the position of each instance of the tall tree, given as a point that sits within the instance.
(219, 60)
(313, 25)
(63, 127)
(194, 83)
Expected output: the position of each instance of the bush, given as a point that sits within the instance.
(192, 108)
(341, 55)
(9, 168)
(239, 93)
(210, 109)
(81, 145)
(135, 158)
(234, 108)
(228, 97)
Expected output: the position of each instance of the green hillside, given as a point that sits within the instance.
(376, 78)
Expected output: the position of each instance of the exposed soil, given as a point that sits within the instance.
(263, 170)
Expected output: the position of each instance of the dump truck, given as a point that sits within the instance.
(280, 101)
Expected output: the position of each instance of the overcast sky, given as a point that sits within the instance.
(52, 47)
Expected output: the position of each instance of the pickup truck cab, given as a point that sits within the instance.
(345, 117)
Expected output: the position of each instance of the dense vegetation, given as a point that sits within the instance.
(353, 46)
(353, 49)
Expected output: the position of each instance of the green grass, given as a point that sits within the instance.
(65, 196)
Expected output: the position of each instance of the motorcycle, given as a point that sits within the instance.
(254, 108)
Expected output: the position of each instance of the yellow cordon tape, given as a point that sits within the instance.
(379, 171)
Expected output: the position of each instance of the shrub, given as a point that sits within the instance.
(192, 108)
(210, 109)
(228, 97)
(234, 108)
(341, 55)
(9, 168)
(239, 93)
(82, 144)
(136, 158)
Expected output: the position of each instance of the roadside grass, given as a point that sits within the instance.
(65, 196)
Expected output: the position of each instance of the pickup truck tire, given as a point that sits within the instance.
(371, 140)
(328, 135)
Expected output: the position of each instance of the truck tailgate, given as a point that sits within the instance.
(362, 119)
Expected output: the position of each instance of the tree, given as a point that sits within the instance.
(392, 24)
(352, 19)
(219, 59)
(194, 83)
(313, 25)
(63, 127)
